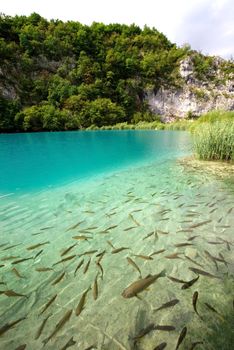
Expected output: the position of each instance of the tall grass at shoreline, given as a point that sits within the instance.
(214, 141)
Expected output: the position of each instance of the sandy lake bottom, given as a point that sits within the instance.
(170, 219)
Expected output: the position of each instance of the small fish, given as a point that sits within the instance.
(190, 283)
(81, 304)
(174, 279)
(158, 252)
(195, 344)
(68, 249)
(131, 262)
(89, 252)
(64, 259)
(181, 337)
(82, 237)
(78, 266)
(193, 237)
(100, 268)
(40, 329)
(145, 257)
(43, 269)
(160, 346)
(137, 287)
(48, 304)
(173, 256)
(21, 347)
(193, 261)
(111, 244)
(95, 288)
(164, 328)
(87, 266)
(202, 272)
(58, 279)
(195, 297)
(211, 258)
(168, 304)
(118, 250)
(6, 327)
(46, 228)
(39, 253)
(11, 246)
(144, 331)
(130, 228)
(211, 308)
(200, 224)
(9, 258)
(100, 256)
(134, 220)
(12, 293)
(37, 245)
(70, 343)
(16, 272)
(185, 244)
(74, 226)
(58, 326)
(21, 260)
(149, 235)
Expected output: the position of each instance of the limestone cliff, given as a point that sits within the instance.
(195, 96)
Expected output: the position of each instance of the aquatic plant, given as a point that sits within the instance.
(214, 141)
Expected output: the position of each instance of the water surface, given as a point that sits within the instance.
(170, 218)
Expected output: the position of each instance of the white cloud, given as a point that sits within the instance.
(205, 24)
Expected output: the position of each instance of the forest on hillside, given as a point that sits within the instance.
(58, 75)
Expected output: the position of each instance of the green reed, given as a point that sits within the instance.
(214, 141)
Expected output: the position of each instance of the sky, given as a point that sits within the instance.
(207, 25)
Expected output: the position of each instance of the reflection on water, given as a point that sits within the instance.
(67, 255)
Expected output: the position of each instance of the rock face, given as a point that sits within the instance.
(194, 97)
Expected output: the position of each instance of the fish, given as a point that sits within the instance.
(64, 259)
(193, 261)
(95, 288)
(68, 249)
(173, 256)
(21, 347)
(164, 328)
(89, 252)
(37, 245)
(134, 220)
(48, 304)
(40, 329)
(190, 283)
(181, 337)
(131, 262)
(144, 331)
(100, 256)
(168, 304)
(6, 327)
(161, 346)
(74, 226)
(82, 237)
(11, 246)
(110, 244)
(149, 235)
(130, 228)
(223, 259)
(81, 304)
(46, 228)
(21, 260)
(59, 325)
(16, 272)
(194, 300)
(137, 287)
(12, 293)
(118, 250)
(87, 266)
(211, 258)
(9, 258)
(195, 344)
(100, 268)
(174, 279)
(70, 343)
(38, 253)
(202, 272)
(58, 279)
(78, 266)
(185, 244)
(145, 257)
(158, 252)
(211, 308)
(110, 228)
(43, 269)
(200, 224)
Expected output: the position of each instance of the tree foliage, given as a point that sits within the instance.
(58, 75)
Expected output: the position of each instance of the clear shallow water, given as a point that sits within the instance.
(156, 206)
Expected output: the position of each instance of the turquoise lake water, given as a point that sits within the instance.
(85, 215)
